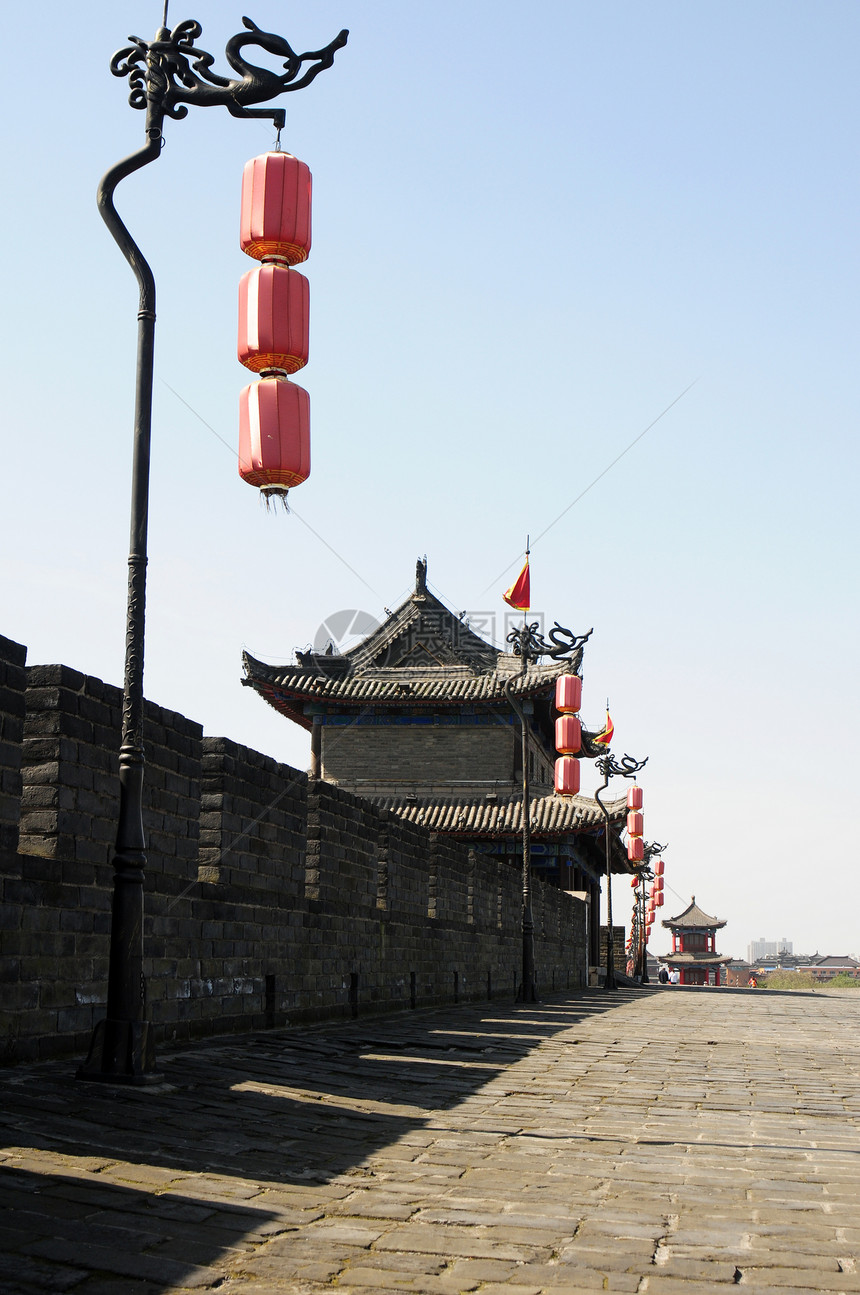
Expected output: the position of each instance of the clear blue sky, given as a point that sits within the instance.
(533, 229)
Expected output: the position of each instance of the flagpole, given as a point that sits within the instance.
(527, 992)
(610, 768)
(531, 646)
(610, 982)
(528, 989)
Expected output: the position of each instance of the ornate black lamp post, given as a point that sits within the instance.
(652, 850)
(164, 75)
(627, 767)
(529, 645)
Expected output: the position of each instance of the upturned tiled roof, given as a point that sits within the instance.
(421, 655)
(401, 686)
(549, 815)
(693, 916)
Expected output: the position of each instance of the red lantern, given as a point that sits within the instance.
(274, 435)
(567, 775)
(636, 849)
(634, 881)
(657, 885)
(276, 208)
(568, 735)
(635, 823)
(568, 693)
(658, 867)
(274, 310)
(634, 797)
(658, 899)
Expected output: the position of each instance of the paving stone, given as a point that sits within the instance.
(374, 1279)
(472, 1272)
(23, 1275)
(636, 1142)
(429, 1239)
(511, 1288)
(660, 1285)
(779, 1278)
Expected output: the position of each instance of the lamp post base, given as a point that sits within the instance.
(121, 1052)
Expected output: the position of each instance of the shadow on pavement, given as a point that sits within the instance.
(286, 1106)
(276, 1115)
(57, 1231)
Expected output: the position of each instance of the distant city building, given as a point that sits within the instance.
(825, 968)
(821, 966)
(757, 950)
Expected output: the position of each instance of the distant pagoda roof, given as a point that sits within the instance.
(694, 917)
(422, 655)
(695, 958)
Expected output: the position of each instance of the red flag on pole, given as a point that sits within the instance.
(606, 736)
(519, 594)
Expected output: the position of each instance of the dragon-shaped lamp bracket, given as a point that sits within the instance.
(651, 851)
(165, 76)
(528, 643)
(626, 767)
(170, 72)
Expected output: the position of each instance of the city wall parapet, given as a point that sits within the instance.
(269, 898)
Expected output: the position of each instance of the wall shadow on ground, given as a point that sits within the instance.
(274, 1113)
(281, 1107)
(58, 1230)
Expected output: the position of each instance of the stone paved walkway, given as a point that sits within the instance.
(664, 1141)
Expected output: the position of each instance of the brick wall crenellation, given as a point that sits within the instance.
(268, 898)
(13, 684)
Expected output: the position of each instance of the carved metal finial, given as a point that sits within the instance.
(171, 71)
(527, 642)
(626, 766)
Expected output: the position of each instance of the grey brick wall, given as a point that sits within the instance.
(419, 754)
(70, 772)
(619, 940)
(269, 899)
(13, 683)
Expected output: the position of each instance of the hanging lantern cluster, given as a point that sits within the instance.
(654, 895)
(635, 825)
(568, 733)
(274, 301)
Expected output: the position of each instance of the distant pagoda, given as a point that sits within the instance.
(415, 719)
(694, 950)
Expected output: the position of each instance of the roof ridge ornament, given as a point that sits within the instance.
(421, 577)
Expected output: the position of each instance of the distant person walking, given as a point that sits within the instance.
(663, 976)
(674, 976)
